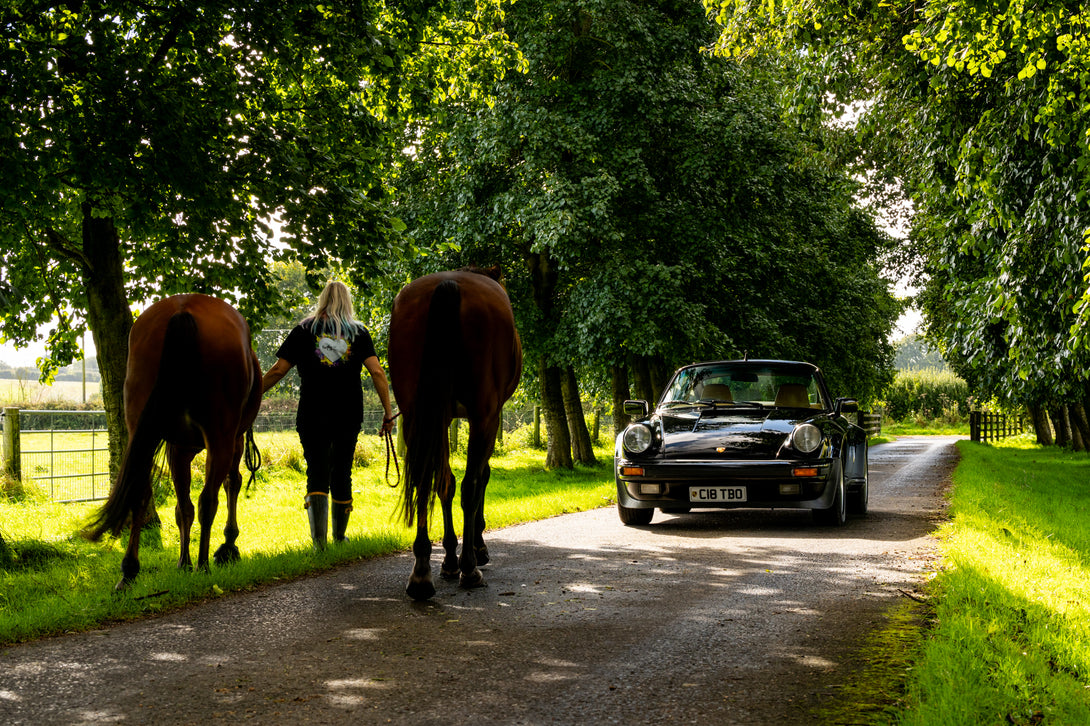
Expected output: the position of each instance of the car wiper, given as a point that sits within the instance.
(758, 404)
(678, 404)
(714, 402)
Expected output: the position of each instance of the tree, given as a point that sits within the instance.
(146, 149)
(650, 207)
(974, 115)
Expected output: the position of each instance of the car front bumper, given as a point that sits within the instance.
(778, 484)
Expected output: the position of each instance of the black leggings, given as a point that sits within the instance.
(329, 462)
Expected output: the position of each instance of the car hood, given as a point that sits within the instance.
(729, 434)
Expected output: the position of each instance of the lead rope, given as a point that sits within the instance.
(391, 452)
(253, 458)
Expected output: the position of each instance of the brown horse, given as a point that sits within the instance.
(454, 350)
(192, 382)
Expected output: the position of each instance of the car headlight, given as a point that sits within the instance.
(806, 438)
(637, 438)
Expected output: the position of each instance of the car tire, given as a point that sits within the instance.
(837, 514)
(858, 500)
(630, 516)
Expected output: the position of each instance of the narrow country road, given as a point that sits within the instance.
(745, 617)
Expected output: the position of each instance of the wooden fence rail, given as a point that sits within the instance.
(870, 421)
(985, 426)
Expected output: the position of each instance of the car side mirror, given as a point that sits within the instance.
(846, 405)
(638, 408)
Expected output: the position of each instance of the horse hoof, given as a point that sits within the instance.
(449, 572)
(420, 590)
(226, 554)
(472, 580)
(123, 585)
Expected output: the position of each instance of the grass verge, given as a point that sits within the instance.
(52, 581)
(1011, 636)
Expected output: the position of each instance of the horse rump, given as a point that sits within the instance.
(434, 399)
(131, 492)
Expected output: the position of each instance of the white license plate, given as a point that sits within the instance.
(717, 495)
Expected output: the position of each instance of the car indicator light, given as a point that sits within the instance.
(631, 471)
(650, 488)
(805, 471)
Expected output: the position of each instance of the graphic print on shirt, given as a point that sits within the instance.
(332, 350)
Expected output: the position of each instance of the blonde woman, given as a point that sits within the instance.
(331, 349)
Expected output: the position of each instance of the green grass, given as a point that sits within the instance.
(53, 581)
(1011, 635)
(927, 428)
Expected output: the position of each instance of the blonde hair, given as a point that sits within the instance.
(334, 313)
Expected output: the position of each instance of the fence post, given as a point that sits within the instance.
(12, 457)
(597, 423)
(974, 426)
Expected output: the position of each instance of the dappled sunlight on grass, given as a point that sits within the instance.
(53, 580)
(1013, 636)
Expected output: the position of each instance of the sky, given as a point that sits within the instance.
(19, 357)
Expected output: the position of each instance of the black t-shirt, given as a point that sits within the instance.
(330, 368)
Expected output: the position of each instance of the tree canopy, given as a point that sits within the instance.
(976, 113)
(651, 205)
(147, 150)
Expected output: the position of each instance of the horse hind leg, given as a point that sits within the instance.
(420, 585)
(130, 563)
(482, 436)
(215, 472)
(449, 569)
(179, 459)
(228, 551)
(479, 546)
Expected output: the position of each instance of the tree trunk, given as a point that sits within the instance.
(1041, 425)
(1080, 425)
(110, 320)
(1058, 414)
(656, 368)
(641, 373)
(543, 277)
(619, 387)
(558, 453)
(581, 446)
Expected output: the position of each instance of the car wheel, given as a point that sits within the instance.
(837, 514)
(857, 500)
(629, 515)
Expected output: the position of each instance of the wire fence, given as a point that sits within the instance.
(66, 453)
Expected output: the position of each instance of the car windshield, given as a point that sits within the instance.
(764, 384)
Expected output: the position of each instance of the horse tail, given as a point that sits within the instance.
(179, 363)
(424, 468)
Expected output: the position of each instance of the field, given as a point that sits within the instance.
(31, 393)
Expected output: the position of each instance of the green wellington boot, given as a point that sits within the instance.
(339, 515)
(317, 506)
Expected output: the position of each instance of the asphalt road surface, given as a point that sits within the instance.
(744, 617)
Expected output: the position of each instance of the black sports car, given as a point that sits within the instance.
(742, 433)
